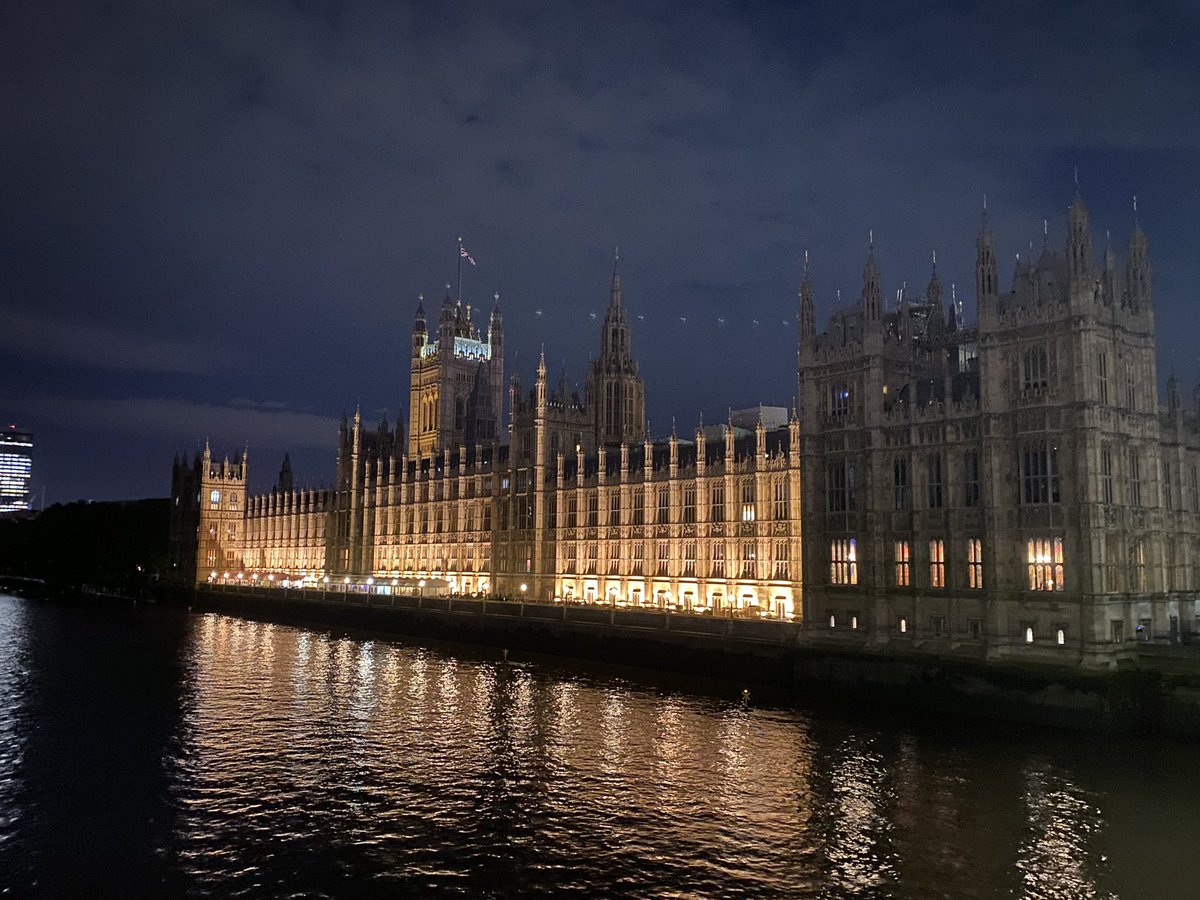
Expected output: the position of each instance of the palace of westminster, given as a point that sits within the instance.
(1010, 488)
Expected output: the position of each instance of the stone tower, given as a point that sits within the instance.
(615, 390)
(456, 395)
(208, 507)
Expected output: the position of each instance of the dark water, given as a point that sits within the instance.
(149, 752)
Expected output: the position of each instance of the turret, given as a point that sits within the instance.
(420, 334)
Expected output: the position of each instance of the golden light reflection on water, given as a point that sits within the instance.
(426, 768)
(1055, 858)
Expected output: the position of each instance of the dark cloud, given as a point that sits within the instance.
(243, 200)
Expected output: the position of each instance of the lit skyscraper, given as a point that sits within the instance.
(16, 463)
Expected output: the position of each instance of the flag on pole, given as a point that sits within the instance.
(463, 254)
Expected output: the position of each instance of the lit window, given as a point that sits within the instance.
(854, 622)
(1060, 637)
(1029, 634)
(902, 625)
(843, 562)
(902, 563)
(1044, 557)
(832, 621)
(215, 499)
(975, 564)
(937, 563)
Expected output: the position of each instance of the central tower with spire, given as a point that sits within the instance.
(615, 390)
(457, 379)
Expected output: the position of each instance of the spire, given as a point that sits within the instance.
(1137, 271)
(872, 292)
(614, 299)
(808, 324)
(1079, 242)
(934, 291)
(987, 281)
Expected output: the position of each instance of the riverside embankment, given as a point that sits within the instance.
(1161, 696)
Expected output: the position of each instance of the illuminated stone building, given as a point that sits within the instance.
(1005, 488)
(998, 489)
(578, 504)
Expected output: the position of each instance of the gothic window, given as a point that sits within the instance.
(639, 555)
(215, 499)
(781, 560)
(593, 512)
(901, 555)
(639, 506)
(1102, 375)
(689, 559)
(781, 499)
(975, 564)
(839, 401)
(843, 561)
(663, 554)
(903, 495)
(689, 503)
(1044, 557)
(750, 560)
(572, 512)
(1106, 474)
(718, 560)
(748, 512)
(1194, 489)
(664, 506)
(1168, 487)
(1039, 473)
(1137, 567)
(614, 509)
(935, 481)
(1130, 386)
(593, 554)
(937, 563)
(1134, 465)
(836, 485)
(1036, 369)
(971, 488)
(717, 503)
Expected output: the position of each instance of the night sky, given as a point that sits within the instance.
(215, 217)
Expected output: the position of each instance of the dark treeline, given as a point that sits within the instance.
(88, 542)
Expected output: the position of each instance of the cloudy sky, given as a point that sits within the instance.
(216, 216)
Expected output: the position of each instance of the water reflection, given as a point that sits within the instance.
(1057, 859)
(13, 664)
(215, 756)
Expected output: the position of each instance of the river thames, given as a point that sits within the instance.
(153, 752)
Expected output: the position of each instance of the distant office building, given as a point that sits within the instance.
(16, 465)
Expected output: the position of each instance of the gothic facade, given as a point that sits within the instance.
(1006, 488)
(579, 504)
